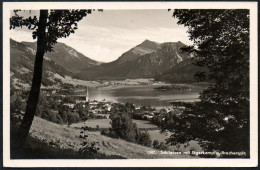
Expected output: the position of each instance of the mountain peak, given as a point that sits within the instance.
(149, 44)
(180, 43)
(146, 41)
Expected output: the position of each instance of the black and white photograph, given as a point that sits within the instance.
(130, 84)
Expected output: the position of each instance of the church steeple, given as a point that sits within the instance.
(87, 99)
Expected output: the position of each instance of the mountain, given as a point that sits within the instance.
(183, 72)
(145, 60)
(66, 57)
(145, 47)
(22, 64)
(65, 61)
(164, 62)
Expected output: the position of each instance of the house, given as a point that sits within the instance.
(106, 107)
(93, 103)
(147, 116)
(70, 105)
(103, 115)
(92, 111)
(163, 111)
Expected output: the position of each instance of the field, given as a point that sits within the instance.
(75, 82)
(63, 137)
(105, 123)
(143, 124)
(156, 135)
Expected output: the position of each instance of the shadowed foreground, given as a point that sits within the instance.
(52, 141)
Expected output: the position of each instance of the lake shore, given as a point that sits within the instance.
(120, 83)
(141, 93)
(110, 83)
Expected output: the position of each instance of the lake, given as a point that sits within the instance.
(144, 94)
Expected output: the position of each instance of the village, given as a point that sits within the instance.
(102, 109)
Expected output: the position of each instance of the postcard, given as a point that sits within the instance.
(130, 84)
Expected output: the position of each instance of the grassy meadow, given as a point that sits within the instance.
(105, 123)
(153, 130)
(63, 142)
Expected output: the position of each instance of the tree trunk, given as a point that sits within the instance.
(36, 81)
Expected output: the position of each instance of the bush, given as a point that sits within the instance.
(137, 116)
(104, 132)
(16, 104)
(64, 116)
(51, 116)
(155, 144)
(88, 148)
(123, 127)
(73, 118)
(163, 146)
(159, 145)
(144, 138)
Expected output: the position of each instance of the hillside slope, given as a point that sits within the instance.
(145, 47)
(22, 65)
(65, 56)
(68, 138)
(183, 72)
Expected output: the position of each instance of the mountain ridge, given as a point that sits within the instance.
(144, 60)
(145, 47)
(66, 56)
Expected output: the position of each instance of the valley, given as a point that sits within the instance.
(137, 80)
(148, 60)
(129, 83)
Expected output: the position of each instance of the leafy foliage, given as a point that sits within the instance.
(87, 148)
(19, 21)
(159, 145)
(51, 26)
(143, 138)
(123, 127)
(220, 121)
(61, 23)
(49, 107)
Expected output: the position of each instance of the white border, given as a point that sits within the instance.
(252, 162)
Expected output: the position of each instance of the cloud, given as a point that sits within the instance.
(105, 36)
(107, 44)
(19, 35)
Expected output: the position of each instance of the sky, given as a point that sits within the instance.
(105, 36)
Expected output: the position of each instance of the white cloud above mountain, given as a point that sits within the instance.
(104, 36)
